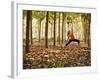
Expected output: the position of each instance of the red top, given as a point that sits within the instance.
(70, 36)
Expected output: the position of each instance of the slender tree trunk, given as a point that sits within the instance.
(89, 38)
(84, 26)
(39, 30)
(42, 30)
(85, 31)
(24, 23)
(46, 30)
(72, 26)
(59, 29)
(54, 28)
(30, 25)
(27, 31)
(62, 25)
(52, 25)
(68, 25)
(51, 31)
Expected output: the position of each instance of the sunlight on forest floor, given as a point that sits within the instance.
(45, 34)
(54, 57)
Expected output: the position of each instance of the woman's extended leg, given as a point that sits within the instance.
(76, 40)
(68, 42)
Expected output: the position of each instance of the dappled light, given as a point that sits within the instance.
(56, 39)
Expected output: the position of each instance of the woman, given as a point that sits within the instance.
(71, 38)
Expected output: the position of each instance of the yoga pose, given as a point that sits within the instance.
(71, 38)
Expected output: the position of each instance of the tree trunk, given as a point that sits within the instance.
(30, 25)
(68, 25)
(89, 38)
(85, 26)
(89, 44)
(27, 31)
(51, 31)
(85, 30)
(59, 29)
(39, 30)
(54, 28)
(62, 25)
(46, 31)
(42, 31)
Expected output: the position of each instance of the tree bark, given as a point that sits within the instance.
(30, 25)
(62, 25)
(54, 28)
(59, 29)
(46, 31)
(89, 38)
(39, 30)
(86, 23)
(85, 26)
(27, 31)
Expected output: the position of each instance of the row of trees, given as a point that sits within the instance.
(56, 19)
(86, 24)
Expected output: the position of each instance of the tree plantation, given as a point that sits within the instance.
(56, 39)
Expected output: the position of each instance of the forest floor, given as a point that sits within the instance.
(59, 56)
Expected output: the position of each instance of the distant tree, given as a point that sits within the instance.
(70, 17)
(39, 15)
(86, 23)
(51, 21)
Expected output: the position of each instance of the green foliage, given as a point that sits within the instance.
(51, 17)
(86, 16)
(24, 13)
(39, 15)
(72, 16)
